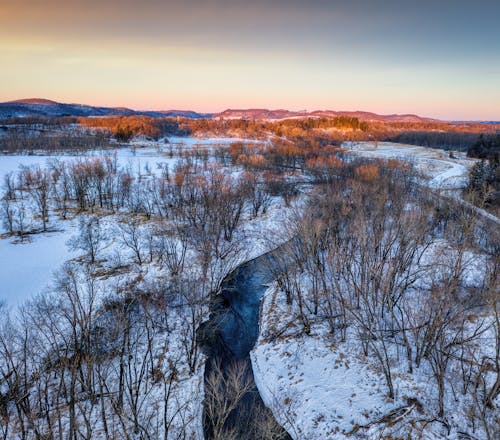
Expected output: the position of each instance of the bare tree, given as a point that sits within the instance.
(131, 236)
(223, 393)
(21, 221)
(8, 214)
(90, 238)
(36, 181)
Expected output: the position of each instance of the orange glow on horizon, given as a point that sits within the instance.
(210, 57)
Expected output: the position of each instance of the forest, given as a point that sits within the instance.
(370, 265)
(445, 135)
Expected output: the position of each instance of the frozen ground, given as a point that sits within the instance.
(141, 154)
(37, 259)
(314, 388)
(321, 389)
(443, 171)
(136, 158)
(192, 141)
(27, 268)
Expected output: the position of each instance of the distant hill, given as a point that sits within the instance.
(36, 101)
(287, 114)
(368, 116)
(46, 107)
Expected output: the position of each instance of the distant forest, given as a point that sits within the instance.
(37, 133)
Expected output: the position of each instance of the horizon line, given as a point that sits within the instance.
(243, 108)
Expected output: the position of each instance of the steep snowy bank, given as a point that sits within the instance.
(321, 388)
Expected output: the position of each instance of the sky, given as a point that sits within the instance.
(438, 58)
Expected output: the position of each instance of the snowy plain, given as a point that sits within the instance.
(317, 391)
(27, 268)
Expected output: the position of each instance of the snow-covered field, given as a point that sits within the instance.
(136, 158)
(141, 154)
(314, 388)
(443, 171)
(27, 268)
(317, 388)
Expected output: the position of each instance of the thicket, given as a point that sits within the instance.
(33, 139)
(124, 128)
(445, 140)
(108, 351)
(387, 264)
(486, 147)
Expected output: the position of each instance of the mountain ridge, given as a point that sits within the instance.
(46, 107)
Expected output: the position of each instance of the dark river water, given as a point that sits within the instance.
(228, 337)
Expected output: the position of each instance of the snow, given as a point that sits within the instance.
(193, 141)
(266, 232)
(140, 153)
(443, 171)
(313, 387)
(12, 163)
(316, 389)
(27, 268)
(136, 158)
(319, 387)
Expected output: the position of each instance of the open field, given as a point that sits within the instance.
(443, 171)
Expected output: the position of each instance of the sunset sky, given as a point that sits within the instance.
(437, 58)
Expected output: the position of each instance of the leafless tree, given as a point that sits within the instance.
(21, 221)
(223, 392)
(36, 182)
(8, 214)
(131, 236)
(90, 238)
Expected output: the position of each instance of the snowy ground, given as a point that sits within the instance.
(140, 154)
(320, 389)
(313, 387)
(27, 268)
(136, 158)
(443, 171)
